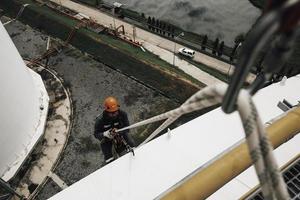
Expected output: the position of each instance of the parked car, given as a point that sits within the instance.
(187, 52)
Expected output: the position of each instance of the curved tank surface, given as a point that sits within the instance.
(23, 104)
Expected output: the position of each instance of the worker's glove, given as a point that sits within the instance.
(113, 132)
(108, 134)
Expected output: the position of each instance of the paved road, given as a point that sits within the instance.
(148, 37)
(149, 40)
(182, 64)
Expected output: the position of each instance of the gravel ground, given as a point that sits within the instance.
(90, 82)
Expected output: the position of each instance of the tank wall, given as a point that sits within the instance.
(19, 104)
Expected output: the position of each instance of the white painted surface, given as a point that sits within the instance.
(248, 179)
(21, 119)
(283, 153)
(166, 160)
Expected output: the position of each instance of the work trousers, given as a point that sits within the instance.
(106, 145)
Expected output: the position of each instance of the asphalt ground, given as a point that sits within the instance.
(89, 82)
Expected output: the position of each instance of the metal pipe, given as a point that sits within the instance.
(208, 180)
(181, 34)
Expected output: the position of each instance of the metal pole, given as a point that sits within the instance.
(182, 33)
(114, 18)
(228, 73)
(174, 53)
(133, 32)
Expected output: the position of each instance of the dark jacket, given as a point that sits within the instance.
(104, 123)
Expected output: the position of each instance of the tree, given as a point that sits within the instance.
(232, 55)
(215, 46)
(153, 23)
(160, 27)
(149, 22)
(157, 25)
(240, 38)
(99, 2)
(220, 49)
(163, 27)
(204, 42)
(169, 30)
(172, 31)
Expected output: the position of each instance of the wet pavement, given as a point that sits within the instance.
(89, 82)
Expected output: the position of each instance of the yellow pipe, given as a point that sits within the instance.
(210, 179)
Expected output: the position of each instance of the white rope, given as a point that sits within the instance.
(202, 99)
(205, 103)
(261, 151)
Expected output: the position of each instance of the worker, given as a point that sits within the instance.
(112, 119)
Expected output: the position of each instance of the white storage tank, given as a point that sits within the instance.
(23, 108)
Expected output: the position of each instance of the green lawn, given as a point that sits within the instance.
(219, 75)
(138, 53)
(112, 41)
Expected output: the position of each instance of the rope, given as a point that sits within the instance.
(261, 151)
(209, 102)
(202, 99)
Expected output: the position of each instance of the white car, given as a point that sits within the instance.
(186, 52)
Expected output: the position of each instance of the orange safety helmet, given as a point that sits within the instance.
(111, 104)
